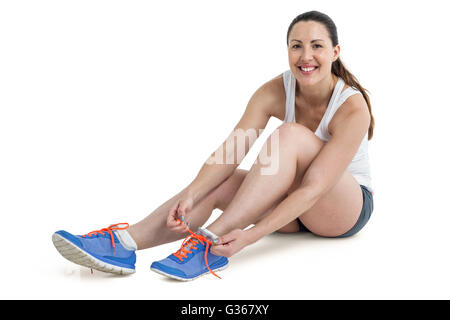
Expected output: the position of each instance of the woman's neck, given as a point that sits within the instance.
(319, 94)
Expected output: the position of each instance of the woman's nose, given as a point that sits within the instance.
(307, 55)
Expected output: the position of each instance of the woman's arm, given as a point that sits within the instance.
(222, 163)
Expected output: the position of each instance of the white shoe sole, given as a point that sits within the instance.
(183, 279)
(76, 255)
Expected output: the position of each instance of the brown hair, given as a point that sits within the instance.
(338, 68)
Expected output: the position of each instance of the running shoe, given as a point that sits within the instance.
(100, 250)
(191, 261)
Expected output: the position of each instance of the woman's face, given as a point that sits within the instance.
(311, 52)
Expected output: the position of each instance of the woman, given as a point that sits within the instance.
(321, 185)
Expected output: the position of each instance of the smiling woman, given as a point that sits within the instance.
(321, 183)
(306, 68)
(321, 48)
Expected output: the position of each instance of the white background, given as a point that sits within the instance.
(109, 108)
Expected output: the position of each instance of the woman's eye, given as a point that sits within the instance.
(315, 46)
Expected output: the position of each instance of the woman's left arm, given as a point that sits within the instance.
(350, 125)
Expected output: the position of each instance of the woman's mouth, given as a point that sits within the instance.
(307, 70)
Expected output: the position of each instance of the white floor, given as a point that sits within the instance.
(378, 263)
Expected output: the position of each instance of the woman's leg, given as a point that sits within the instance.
(298, 146)
(246, 196)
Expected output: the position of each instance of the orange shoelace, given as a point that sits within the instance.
(109, 230)
(189, 243)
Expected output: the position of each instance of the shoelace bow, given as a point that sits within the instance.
(109, 230)
(192, 240)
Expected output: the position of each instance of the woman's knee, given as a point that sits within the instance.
(300, 139)
(294, 130)
(299, 135)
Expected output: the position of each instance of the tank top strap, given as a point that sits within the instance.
(333, 104)
(339, 100)
(289, 87)
(348, 93)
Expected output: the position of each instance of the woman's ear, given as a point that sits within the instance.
(336, 53)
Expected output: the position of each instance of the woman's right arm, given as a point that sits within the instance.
(214, 171)
(222, 162)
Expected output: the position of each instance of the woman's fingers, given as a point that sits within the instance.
(172, 221)
(171, 218)
(176, 225)
(230, 243)
(223, 247)
(177, 220)
(221, 250)
(227, 238)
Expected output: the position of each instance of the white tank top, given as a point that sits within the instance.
(359, 167)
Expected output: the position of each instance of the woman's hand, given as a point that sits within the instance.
(231, 243)
(180, 210)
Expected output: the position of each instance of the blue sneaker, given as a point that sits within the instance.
(100, 250)
(191, 261)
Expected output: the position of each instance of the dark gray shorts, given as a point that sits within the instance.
(366, 212)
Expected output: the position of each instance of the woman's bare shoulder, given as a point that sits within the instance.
(273, 91)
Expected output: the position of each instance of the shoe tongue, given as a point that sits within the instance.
(188, 246)
(107, 235)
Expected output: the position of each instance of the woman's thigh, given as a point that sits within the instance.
(334, 213)
(337, 211)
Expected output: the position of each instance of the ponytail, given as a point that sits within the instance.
(338, 67)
